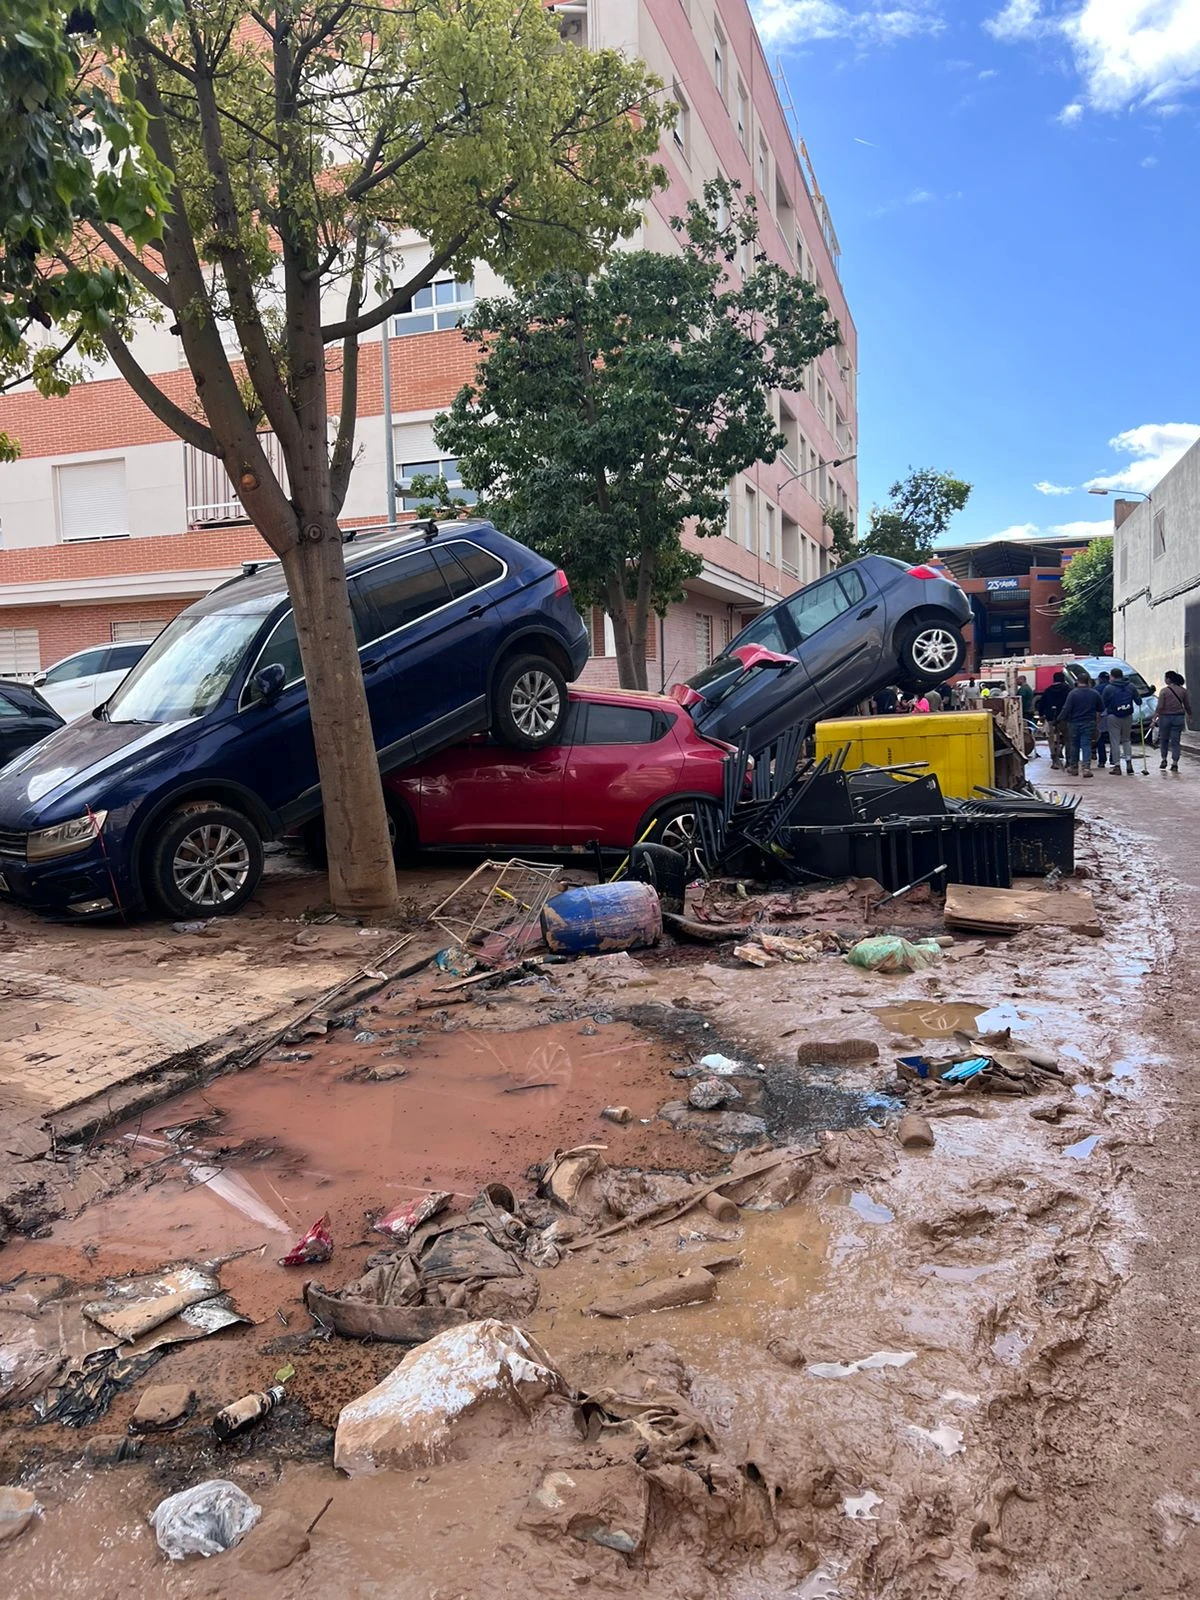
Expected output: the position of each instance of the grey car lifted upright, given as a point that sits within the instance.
(872, 622)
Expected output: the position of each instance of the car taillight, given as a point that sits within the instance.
(925, 572)
(562, 584)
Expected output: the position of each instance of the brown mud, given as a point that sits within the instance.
(875, 1370)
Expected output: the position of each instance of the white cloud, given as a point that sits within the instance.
(916, 197)
(784, 22)
(1020, 19)
(1155, 448)
(1071, 114)
(988, 72)
(1127, 52)
(1019, 530)
(1053, 488)
(1149, 161)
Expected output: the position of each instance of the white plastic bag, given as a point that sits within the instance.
(204, 1520)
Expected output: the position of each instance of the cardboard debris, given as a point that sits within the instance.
(980, 910)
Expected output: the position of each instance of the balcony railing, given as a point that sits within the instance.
(211, 496)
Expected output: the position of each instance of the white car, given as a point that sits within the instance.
(77, 684)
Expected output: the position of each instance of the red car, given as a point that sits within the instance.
(627, 760)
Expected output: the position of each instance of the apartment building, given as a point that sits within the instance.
(109, 524)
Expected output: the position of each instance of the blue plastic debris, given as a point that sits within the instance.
(962, 1070)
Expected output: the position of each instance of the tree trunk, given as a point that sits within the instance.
(631, 660)
(362, 877)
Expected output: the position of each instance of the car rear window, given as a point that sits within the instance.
(481, 564)
(621, 725)
(402, 591)
(81, 667)
(123, 656)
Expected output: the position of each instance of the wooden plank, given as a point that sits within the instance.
(983, 910)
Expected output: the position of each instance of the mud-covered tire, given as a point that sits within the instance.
(676, 826)
(529, 703)
(204, 861)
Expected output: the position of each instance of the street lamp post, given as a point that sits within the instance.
(838, 461)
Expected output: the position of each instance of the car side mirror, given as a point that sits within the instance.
(268, 684)
(39, 680)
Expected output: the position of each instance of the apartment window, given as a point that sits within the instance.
(722, 212)
(440, 467)
(762, 166)
(91, 500)
(680, 130)
(1160, 534)
(784, 214)
(20, 652)
(134, 632)
(719, 62)
(750, 519)
(793, 448)
(790, 546)
(439, 305)
(704, 641)
(769, 534)
(730, 530)
(743, 117)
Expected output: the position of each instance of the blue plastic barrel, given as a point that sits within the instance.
(602, 917)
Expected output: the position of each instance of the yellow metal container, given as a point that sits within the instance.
(957, 745)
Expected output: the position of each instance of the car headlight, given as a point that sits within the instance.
(65, 838)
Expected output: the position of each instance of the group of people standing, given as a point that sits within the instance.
(1102, 715)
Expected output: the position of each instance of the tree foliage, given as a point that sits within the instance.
(1085, 618)
(918, 515)
(845, 537)
(611, 412)
(218, 167)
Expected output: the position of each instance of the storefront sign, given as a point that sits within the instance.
(993, 584)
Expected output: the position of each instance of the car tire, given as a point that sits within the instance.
(676, 827)
(931, 652)
(204, 861)
(401, 831)
(529, 703)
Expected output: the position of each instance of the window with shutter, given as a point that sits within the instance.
(20, 652)
(91, 500)
(704, 641)
(134, 632)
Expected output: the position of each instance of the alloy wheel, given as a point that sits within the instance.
(211, 865)
(934, 650)
(535, 704)
(682, 833)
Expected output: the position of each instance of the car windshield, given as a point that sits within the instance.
(187, 669)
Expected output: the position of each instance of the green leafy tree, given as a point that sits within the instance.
(845, 539)
(212, 165)
(611, 412)
(1085, 618)
(917, 517)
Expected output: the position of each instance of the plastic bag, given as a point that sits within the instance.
(316, 1245)
(204, 1520)
(402, 1221)
(890, 953)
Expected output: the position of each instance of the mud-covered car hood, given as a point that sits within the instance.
(66, 769)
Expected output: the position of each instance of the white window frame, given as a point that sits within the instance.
(719, 48)
(743, 116)
(445, 315)
(750, 518)
(769, 533)
(681, 126)
(64, 467)
(454, 483)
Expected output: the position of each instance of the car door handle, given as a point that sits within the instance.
(866, 612)
(545, 771)
(474, 611)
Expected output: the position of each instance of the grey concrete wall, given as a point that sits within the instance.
(1155, 579)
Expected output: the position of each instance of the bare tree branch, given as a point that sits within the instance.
(189, 428)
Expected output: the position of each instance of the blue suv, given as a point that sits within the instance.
(164, 795)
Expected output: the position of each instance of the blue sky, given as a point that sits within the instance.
(1015, 187)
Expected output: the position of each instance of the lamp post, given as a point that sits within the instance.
(1123, 492)
(838, 461)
